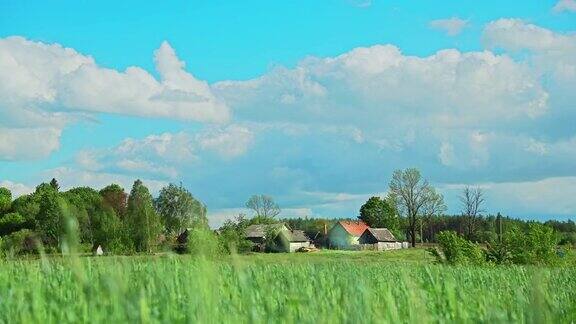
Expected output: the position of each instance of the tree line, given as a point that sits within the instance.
(85, 218)
(133, 222)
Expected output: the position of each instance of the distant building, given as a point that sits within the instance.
(346, 234)
(291, 241)
(257, 233)
(285, 240)
(380, 239)
(97, 250)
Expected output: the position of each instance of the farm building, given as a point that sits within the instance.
(257, 233)
(285, 241)
(381, 239)
(291, 241)
(345, 234)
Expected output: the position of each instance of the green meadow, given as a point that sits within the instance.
(324, 287)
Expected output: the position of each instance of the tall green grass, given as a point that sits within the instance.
(182, 289)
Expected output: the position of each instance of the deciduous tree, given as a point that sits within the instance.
(115, 197)
(264, 207)
(179, 210)
(5, 200)
(377, 212)
(143, 222)
(413, 196)
(472, 200)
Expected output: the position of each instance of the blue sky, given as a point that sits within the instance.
(313, 102)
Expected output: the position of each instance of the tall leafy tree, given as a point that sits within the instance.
(5, 200)
(179, 210)
(28, 206)
(115, 197)
(98, 222)
(143, 223)
(414, 197)
(50, 217)
(378, 212)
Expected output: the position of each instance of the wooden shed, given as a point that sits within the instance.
(291, 241)
(380, 238)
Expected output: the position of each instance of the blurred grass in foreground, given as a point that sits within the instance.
(327, 287)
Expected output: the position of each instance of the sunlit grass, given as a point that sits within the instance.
(317, 287)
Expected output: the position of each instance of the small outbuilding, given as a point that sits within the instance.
(97, 250)
(291, 241)
(257, 233)
(380, 238)
(285, 240)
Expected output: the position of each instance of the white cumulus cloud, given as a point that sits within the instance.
(28, 143)
(50, 84)
(565, 5)
(452, 26)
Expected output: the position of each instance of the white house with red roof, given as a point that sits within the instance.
(346, 234)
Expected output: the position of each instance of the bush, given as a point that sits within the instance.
(233, 241)
(203, 242)
(537, 245)
(568, 239)
(455, 249)
(11, 222)
(17, 243)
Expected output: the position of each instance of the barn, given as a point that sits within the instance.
(345, 234)
(380, 238)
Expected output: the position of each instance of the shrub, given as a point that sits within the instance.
(568, 239)
(455, 249)
(17, 243)
(537, 245)
(203, 242)
(11, 222)
(232, 241)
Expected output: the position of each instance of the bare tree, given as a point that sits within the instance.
(435, 206)
(263, 206)
(472, 200)
(414, 197)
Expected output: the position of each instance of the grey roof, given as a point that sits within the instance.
(298, 236)
(382, 234)
(259, 230)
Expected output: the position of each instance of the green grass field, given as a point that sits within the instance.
(323, 287)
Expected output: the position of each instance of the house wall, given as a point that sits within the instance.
(339, 238)
(284, 245)
(367, 238)
(385, 246)
(296, 245)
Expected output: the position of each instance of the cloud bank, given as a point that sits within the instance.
(48, 84)
(324, 135)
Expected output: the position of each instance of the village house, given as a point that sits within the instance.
(380, 239)
(286, 240)
(257, 233)
(346, 234)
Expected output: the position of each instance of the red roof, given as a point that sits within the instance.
(355, 228)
